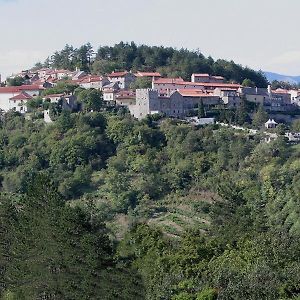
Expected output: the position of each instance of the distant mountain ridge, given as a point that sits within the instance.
(275, 76)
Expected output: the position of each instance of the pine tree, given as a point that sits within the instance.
(241, 115)
(260, 117)
(201, 111)
(59, 252)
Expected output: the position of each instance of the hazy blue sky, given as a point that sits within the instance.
(262, 34)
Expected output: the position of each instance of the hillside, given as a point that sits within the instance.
(175, 210)
(166, 60)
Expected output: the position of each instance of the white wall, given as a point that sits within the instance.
(4, 100)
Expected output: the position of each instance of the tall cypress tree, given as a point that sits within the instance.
(201, 111)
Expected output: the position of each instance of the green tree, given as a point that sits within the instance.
(83, 57)
(280, 129)
(91, 99)
(59, 252)
(15, 81)
(141, 83)
(201, 111)
(260, 117)
(241, 114)
(7, 217)
(34, 103)
(247, 82)
(296, 126)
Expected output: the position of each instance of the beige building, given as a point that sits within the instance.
(229, 97)
(206, 78)
(254, 94)
(125, 98)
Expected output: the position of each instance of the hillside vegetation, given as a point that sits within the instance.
(168, 61)
(98, 205)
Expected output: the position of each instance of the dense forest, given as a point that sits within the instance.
(166, 60)
(98, 205)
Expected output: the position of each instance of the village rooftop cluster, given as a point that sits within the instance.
(172, 97)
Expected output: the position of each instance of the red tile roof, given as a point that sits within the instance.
(148, 74)
(201, 75)
(88, 79)
(199, 84)
(168, 80)
(280, 91)
(53, 95)
(21, 96)
(194, 93)
(108, 90)
(218, 77)
(16, 89)
(128, 93)
(117, 74)
(228, 89)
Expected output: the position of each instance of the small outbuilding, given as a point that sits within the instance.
(271, 124)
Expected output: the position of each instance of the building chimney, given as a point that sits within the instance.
(269, 89)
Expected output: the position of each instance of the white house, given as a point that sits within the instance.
(18, 102)
(93, 82)
(7, 93)
(295, 97)
(54, 98)
(124, 79)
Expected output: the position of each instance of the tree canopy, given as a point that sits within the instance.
(166, 60)
(98, 205)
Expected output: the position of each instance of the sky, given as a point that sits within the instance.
(261, 34)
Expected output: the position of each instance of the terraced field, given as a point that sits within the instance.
(174, 215)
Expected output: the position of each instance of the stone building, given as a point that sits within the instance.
(228, 96)
(148, 102)
(192, 98)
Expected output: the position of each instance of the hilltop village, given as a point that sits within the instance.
(143, 93)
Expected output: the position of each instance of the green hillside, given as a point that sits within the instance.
(166, 60)
(101, 206)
